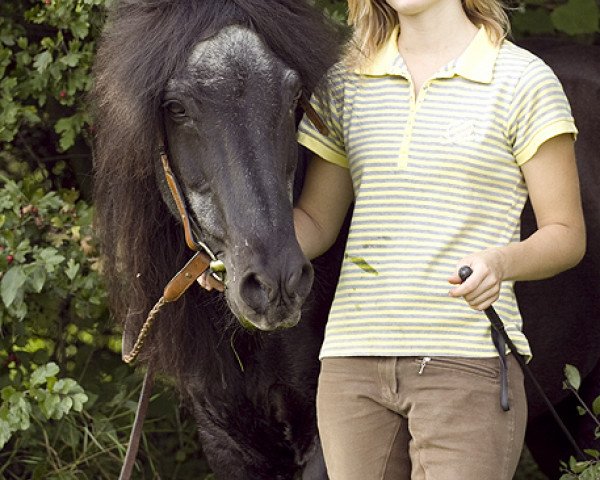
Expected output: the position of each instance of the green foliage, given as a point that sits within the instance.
(588, 469)
(335, 9)
(573, 18)
(46, 53)
(45, 395)
(46, 246)
(67, 400)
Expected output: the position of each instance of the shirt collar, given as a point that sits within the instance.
(386, 60)
(476, 63)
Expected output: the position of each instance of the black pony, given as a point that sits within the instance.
(218, 81)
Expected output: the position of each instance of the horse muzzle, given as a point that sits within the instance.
(269, 295)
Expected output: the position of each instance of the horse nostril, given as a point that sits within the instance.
(300, 281)
(254, 293)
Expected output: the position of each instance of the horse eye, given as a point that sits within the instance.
(175, 108)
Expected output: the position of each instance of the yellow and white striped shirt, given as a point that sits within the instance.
(436, 178)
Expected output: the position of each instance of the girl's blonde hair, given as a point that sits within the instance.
(374, 21)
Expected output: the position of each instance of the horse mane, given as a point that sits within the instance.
(144, 43)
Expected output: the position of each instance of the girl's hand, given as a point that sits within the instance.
(482, 288)
(204, 282)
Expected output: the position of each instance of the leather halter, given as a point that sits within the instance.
(188, 226)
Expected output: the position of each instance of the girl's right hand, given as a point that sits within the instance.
(208, 285)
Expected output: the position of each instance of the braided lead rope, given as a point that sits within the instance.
(139, 343)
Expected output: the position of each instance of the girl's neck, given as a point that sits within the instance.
(441, 30)
(432, 36)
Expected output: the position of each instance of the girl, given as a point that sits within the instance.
(439, 128)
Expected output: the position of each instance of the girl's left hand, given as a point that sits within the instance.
(482, 288)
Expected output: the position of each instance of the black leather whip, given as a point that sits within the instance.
(501, 339)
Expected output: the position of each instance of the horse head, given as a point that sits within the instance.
(229, 127)
(217, 82)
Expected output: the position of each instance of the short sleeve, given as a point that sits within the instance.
(327, 101)
(539, 111)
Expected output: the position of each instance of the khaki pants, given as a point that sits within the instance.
(380, 419)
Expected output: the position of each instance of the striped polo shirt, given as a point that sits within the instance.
(435, 178)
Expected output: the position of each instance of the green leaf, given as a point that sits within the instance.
(71, 434)
(577, 17)
(66, 386)
(362, 264)
(180, 456)
(78, 400)
(5, 433)
(42, 60)
(80, 28)
(579, 467)
(49, 405)
(592, 453)
(41, 374)
(596, 406)
(12, 283)
(40, 472)
(72, 269)
(68, 128)
(7, 392)
(37, 278)
(62, 408)
(573, 377)
(71, 59)
(533, 21)
(51, 258)
(591, 473)
(572, 463)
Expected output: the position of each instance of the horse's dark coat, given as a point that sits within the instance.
(253, 393)
(562, 314)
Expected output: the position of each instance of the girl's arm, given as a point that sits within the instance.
(557, 245)
(326, 196)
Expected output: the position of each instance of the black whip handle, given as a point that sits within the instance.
(464, 273)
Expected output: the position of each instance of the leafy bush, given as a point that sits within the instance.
(49, 277)
(574, 18)
(54, 321)
(46, 52)
(588, 469)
